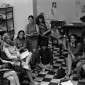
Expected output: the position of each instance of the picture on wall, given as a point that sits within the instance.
(83, 8)
(54, 5)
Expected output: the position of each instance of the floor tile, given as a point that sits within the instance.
(55, 80)
(49, 76)
(38, 79)
(41, 75)
(47, 79)
(44, 83)
(51, 83)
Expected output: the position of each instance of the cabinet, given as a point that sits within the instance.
(6, 19)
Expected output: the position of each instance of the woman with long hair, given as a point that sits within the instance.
(44, 29)
(7, 73)
(13, 53)
(20, 41)
(74, 53)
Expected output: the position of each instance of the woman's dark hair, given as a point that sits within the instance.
(21, 31)
(76, 37)
(31, 16)
(40, 17)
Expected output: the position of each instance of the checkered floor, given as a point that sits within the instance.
(49, 78)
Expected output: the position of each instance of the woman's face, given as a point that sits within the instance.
(31, 20)
(21, 35)
(8, 39)
(40, 19)
(72, 39)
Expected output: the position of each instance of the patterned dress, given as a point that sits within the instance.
(32, 41)
(42, 29)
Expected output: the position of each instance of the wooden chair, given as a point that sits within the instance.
(59, 25)
(16, 68)
(55, 44)
(19, 69)
(3, 81)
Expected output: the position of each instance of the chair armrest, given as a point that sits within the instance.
(4, 57)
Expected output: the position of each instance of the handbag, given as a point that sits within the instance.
(60, 73)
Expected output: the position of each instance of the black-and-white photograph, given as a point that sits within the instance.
(54, 5)
(42, 42)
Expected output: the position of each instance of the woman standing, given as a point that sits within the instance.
(32, 32)
(44, 28)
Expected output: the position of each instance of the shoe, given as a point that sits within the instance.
(67, 76)
(26, 67)
(79, 77)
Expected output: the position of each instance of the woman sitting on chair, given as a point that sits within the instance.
(13, 53)
(20, 41)
(8, 73)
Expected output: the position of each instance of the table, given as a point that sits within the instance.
(74, 28)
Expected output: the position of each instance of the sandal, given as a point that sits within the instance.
(79, 77)
(67, 76)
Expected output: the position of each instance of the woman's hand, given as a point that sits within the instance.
(51, 67)
(18, 57)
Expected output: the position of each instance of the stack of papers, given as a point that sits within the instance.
(67, 83)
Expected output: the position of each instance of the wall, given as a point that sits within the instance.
(22, 9)
(66, 9)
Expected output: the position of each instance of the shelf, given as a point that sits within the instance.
(6, 16)
(3, 28)
(8, 11)
(6, 7)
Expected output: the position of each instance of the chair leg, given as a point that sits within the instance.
(60, 48)
(6, 82)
